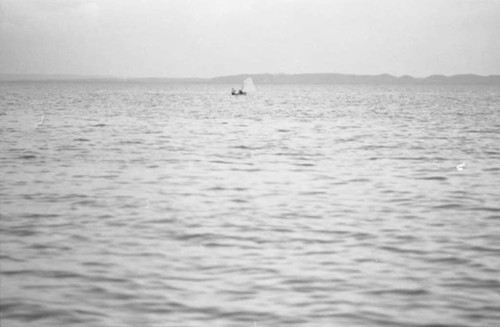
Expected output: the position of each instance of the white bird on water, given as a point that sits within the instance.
(40, 122)
(461, 166)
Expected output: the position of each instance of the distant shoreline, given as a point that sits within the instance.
(320, 78)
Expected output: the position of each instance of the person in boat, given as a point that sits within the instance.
(240, 92)
(233, 91)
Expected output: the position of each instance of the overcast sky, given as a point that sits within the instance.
(206, 38)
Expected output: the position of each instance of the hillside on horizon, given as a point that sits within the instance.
(311, 78)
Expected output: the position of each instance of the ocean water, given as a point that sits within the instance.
(180, 205)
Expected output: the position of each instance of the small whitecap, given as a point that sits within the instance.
(461, 166)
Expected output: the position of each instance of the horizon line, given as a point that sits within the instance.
(103, 76)
(266, 78)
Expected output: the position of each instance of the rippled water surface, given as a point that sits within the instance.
(180, 205)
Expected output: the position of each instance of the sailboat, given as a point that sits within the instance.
(247, 87)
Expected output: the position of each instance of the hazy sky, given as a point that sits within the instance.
(205, 38)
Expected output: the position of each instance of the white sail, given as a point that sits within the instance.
(248, 86)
